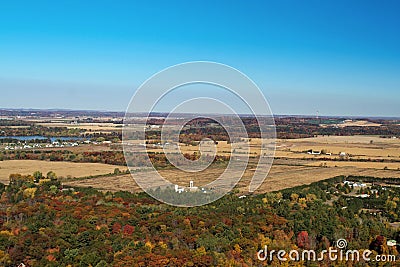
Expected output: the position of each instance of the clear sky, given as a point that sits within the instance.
(338, 57)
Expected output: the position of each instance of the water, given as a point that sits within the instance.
(40, 137)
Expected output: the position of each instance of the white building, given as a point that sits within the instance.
(312, 152)
(355, 184)
(360, 185)
(179, 189)
(192, 187)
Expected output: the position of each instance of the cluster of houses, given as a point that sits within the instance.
(160, 145)
(360, 185)
(191, 188)
(355, 184)
(319, 152)
(106, 142)
(20, 146)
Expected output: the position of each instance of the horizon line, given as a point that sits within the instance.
(191, 113)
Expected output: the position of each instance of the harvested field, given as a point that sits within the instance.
(359, 123)
(355, 164)
(357, 147)
(87, 126)
(283, 174)
(62, 169)
(112, 183)
(292, 167)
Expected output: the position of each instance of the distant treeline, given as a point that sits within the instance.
(200, 128)
(33, 130)
(368, 179)
(8, 140)
(159, 160)
(14, 123)
(286, 128)
(107, 157)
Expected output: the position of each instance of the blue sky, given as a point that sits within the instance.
(337, 57)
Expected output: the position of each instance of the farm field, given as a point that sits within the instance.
(283, 174)
(86, 126)
(62, 169)
(364, 155)
(355, 164)
(356, 147)
(292, 165)
(114, 183)
(359, 123)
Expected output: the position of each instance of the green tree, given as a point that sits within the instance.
(37, 175)
(51, 175)
(100, 139)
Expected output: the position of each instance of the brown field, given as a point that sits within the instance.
(87, 126)
(19, 126)
(292, 166)
(355, 123)
(355, 164)
(83, 148)
(279, 178)
(357, 147)
(112, 183)
(62, 169)
(283, 174)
